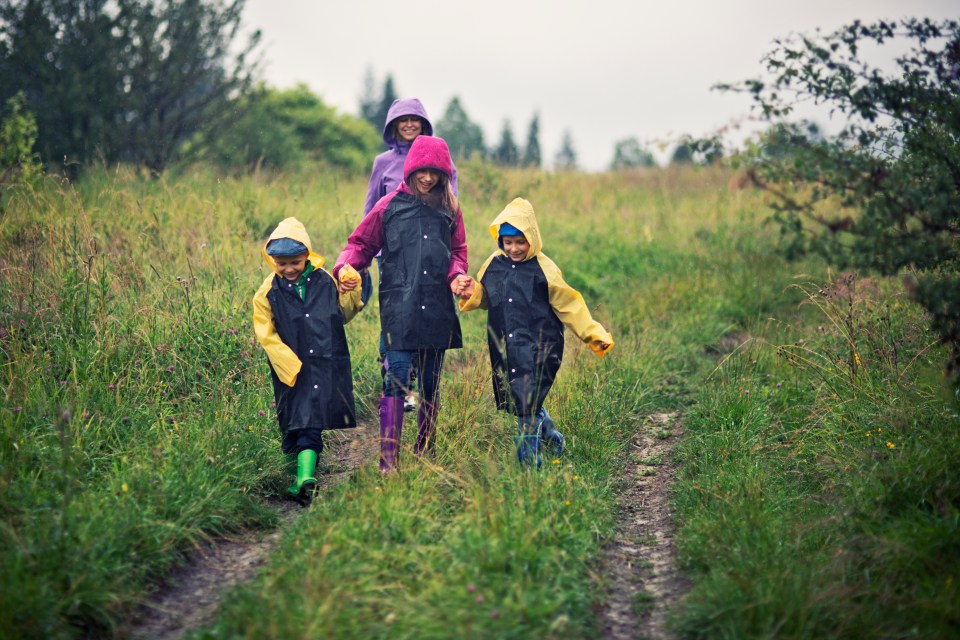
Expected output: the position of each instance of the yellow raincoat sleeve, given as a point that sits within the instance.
(282, 358)
(479, 298)
(570, 307)
(350, 302)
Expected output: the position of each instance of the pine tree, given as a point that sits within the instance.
(566, 158)
(531, 154)
(506, 153)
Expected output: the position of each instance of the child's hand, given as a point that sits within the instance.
(469, 290)
(346, 284)
(458, 284)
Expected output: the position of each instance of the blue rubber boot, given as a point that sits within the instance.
(528, 443)
(553, 440)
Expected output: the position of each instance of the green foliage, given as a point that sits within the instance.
(18, 133)
(630, 154)
(464, 137)
(506, 154)
(893, 168)
(531, 152)
(285, 129)
(374, 106)
(817, 485)
(566, 158)
(123, 81)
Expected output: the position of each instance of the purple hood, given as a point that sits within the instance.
(404, 107)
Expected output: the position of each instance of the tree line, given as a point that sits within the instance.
(152, 82)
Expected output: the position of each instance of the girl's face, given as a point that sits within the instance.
(516, 247)
(408, 128)
(290, 267)
(425, 180)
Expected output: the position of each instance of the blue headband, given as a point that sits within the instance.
(285, 247)
(507, 229)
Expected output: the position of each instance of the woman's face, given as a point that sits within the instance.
(408, 128)
(425, 180)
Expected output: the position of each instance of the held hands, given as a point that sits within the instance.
(462, 286)
(347, 279)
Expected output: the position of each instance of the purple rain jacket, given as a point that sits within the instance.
(387, 171)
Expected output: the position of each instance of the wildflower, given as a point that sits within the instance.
(868, 434)
(110, 387)
(746, 392)
(494, 614)
(17, 409)
(856, 359)
(124, 487)
(779, 384)
(232, 332)
(471, 587)
(890, 445)
(170, 368)
(63, 383)
(262, 412)
(567, 503)
(576, 477)
(249, 427)
(555, 461)
(125, 419)
(203, 246)
(479, 599)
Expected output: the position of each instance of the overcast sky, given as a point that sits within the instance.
(605, 70)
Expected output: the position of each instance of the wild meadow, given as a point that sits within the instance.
(816, 494)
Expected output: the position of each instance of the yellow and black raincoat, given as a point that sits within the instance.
(528, 304)
(300, 326)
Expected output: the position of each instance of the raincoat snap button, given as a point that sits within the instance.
(509, 299)
(423, 306)
(424, 237)
(307, 315)
(311, 350)
(513, 370)
(424, 273)
(509, 335)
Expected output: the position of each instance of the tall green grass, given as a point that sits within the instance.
(137, 420)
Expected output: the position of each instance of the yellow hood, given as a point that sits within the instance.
(293, 229)
(520, 214)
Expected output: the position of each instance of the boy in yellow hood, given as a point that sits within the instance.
(528, 306)
(298, 317)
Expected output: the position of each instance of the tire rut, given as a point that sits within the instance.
(189, 595)
(638, 564)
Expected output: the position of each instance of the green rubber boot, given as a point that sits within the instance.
(302, 489)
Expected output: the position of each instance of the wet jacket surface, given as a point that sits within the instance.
(528, 305)
(305, 342)
(387, 172)
(422, 251)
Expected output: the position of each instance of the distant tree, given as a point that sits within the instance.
(566, 158)
(284, 129)
(690, 150)
(531, 153)
(506, 153)
(123, 80)
(896, 161)
(682, 154)
(465, 138)
(387, 98)
(629, 154)
(782, 139)
(370, 100)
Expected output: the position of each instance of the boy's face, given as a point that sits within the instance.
(291, 267)
(516, 247)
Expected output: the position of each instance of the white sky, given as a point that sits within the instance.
(605, 70)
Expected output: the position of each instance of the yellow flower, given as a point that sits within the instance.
(890, 445)
(856, 358)
(868, 434)
(576, 477)
(567, 503)
(124, 487)
(556, 461)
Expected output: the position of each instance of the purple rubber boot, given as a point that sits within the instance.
(391, 427)
(426, 429)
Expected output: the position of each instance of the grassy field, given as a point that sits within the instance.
(817, 494)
